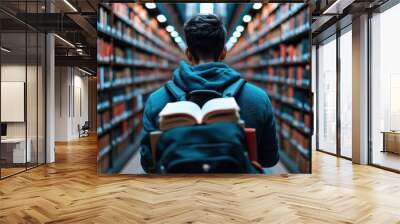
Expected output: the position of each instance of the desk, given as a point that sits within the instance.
(391, 141)
(13, 150)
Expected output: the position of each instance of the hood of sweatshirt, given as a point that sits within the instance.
(211, 76)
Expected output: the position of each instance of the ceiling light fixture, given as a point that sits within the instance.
(84, 71)
(161, 18)
(246, 18)
(170, 28)
(257, 6)
(5, 50)
(236, 34)
(240, 28)
(65, 41)
(150, 5)
(70, 5)
(174, 34)
(178, 39)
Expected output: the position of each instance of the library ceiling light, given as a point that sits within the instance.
(170, 28)
(5, 50)
(240, 28)
(161, 18)
(233, 39)
(174, 34)
(246, 18)
(178, 39)
(206, 8)
(84, 71)
(236, 34)
(65, 41)
(257, 6)
(70, 5)
(150, 5)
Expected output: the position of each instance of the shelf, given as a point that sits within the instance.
(272, 26)
(304, 152)
(285, 38)
(305, 85)
(149, 36)
(127, 41)
(289, 163)
(304, 60)
(103, 106)
(124, 157)
(116, 121)
(296, 105)
(129, 82)
(294, 124)
(135, 63)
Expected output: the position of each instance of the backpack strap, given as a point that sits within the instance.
(234, 88)
(230, 91)
(175, 91)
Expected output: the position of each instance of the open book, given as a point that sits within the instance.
(184, 113)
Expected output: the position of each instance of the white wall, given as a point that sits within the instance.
(71, 92)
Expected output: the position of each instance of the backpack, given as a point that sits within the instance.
(208, 148)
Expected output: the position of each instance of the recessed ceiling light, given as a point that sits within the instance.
(246, 18)
(236, 34)
(240, 28)
(174, 34)
(257, 6)
(150, 5)
(170, 28)
(161, 18)
(178, 39)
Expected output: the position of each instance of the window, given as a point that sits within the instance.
(346, 92)
(327, 96)
(385, 88)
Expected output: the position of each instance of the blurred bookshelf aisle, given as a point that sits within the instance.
(139, 45)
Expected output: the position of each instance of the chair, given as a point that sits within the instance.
(84, 129)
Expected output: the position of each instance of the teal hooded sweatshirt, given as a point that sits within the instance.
(255, 107)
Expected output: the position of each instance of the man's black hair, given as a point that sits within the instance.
(205, 36)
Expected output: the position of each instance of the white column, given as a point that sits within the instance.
(360, 90)
(50, 94)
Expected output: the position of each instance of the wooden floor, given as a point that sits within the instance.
(70, 191)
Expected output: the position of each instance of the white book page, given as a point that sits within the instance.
(220, 105)
(182, 107)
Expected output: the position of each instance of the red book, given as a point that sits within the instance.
(251, 143)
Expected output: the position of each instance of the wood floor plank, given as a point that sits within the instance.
(70, 191)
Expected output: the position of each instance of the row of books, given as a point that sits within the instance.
(298, 76)
(271, 18)
(289, 95)
(285, 53)
(135, 57)
(119, 139)
(126, 29)
(274, 53)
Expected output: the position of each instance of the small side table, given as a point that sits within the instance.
(391, 141)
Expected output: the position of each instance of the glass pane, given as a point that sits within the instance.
(385, 84)
(31, 97)
(327, 96)
(41, 99)
(13, 86)
(346, 94)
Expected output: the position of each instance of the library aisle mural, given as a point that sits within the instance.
(266, 129)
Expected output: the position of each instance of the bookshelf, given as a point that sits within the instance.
(274, 54)
(135, 56)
